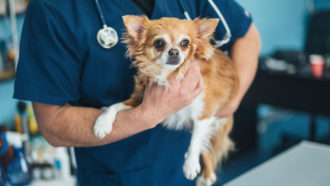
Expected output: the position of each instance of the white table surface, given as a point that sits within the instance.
(71, 181)
(306, 164)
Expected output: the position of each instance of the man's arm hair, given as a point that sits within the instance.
(73, 126)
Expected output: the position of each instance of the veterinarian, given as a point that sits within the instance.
(69, 72)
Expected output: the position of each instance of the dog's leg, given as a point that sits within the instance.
(103, 124)
(200, 141)
(208, 176)
(221, 145)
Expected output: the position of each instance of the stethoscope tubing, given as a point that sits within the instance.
(218, 43)
(100, 12)
(107, 37)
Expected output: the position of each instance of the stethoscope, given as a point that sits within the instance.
(107, 36)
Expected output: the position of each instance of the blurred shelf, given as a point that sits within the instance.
(6, 75)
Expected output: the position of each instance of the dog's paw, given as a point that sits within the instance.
(191, 168)
(201, 181)
(103, 124)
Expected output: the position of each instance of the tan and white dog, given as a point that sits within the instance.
(162, 49)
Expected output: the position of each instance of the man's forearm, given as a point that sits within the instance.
(73, 126)
(245, 54)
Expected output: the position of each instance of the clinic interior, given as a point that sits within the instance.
(288, 102)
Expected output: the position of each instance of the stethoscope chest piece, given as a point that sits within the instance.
(107, 37)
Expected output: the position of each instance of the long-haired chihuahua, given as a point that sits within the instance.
(163, 49)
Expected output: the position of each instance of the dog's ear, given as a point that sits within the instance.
(135, 25)
(205, 27)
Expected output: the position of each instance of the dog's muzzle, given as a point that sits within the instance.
(173, 57)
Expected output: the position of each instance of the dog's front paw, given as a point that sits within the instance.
(191, 167)
(103, 124)
(201, 181)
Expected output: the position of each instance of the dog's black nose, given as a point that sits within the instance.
(173, 52)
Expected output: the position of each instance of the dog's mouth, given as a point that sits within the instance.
(173, 61)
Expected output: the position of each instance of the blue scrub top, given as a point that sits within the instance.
(61, 62)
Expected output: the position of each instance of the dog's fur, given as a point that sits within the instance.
(210, 135)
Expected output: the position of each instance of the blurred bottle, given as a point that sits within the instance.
(11, 55)
(20, 117)
(2, 50)
(32, 122)
(2, 64)
(18, 123)
(317, 65)
(2, 176)
(23, 125)
(25, 114)
(62, 162)
(10, 62)
(18, 172)
(18, 169)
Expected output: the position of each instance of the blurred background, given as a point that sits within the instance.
(289, 100)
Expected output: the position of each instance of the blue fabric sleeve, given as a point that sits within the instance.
(49, 65)
(237, 18)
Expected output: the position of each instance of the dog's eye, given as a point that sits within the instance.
(184, 43)
(159, 44)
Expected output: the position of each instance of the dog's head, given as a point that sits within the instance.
(163, 45)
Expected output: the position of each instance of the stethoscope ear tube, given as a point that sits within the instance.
(227, 37)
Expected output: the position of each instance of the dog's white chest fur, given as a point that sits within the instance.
(183, 117)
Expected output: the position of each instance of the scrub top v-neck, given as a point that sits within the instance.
(61, 62)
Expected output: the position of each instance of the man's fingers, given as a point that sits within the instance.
(149, 85)
(200, 84)
(186, 68)
(198, 89)
(191, 78)
(193, 69)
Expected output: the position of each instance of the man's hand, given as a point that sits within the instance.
(159, 102)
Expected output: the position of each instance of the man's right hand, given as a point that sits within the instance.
(159, 101)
